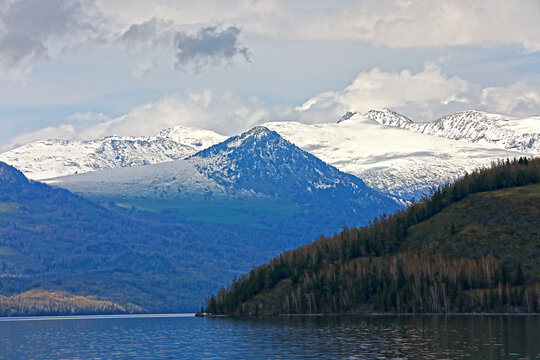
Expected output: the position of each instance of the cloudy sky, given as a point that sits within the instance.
(80, 69)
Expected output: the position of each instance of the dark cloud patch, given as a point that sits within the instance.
(33, 30)
(27, 26)
(208, 46)
(154, 32)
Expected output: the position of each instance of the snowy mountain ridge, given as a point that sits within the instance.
(243, 164)
(389, 117)
(389, 151)
(473, 126)
(393, 160)
(52, 158)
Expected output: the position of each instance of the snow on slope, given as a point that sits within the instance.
(473, 126)
(258, 162)
(52, 158)
(403, 163)
(262, 161)
(164, 180)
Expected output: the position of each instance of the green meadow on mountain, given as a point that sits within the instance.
(473, 246)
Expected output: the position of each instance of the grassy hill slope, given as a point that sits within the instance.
(504, 223)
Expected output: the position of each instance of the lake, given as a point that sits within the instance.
(303, 337)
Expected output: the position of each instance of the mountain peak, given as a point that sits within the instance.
(257, 132)
(469, 116)
(253, 140)
(382, 116)
(388, 117)
(484, 128)
(347, 116)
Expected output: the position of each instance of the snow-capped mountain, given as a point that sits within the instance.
(258, 163)
(392, 160)
(389, 117)
(52, 158)
(262, 161)
(473, 126)
(395, 158)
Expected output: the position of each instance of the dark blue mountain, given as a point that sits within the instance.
(260, 160)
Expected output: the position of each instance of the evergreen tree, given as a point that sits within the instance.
(520, 277)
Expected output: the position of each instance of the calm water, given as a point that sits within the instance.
(347, 337)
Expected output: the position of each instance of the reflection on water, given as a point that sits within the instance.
(317, 337)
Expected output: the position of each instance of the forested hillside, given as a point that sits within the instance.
(52, 240)
(472, 246)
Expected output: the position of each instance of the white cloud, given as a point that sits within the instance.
(154, 32)
(392, 23)
(64, 131)
(423, 96)
(420, 95)
(517, 99)
(88, 117)
(226, 113)
(34, 30)
(209, 45)
(30, 29)
(456, 22)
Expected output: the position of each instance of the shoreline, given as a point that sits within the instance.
(371, 314)
(95, 317)
(195, 315)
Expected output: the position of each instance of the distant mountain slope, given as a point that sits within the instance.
(52, 158)
(473, 126)
(471, 247)
(403, 163)
(53, 240)
(259, 165)
(165, 180)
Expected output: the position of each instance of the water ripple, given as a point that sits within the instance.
(318, 337)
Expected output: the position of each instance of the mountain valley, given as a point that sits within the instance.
(253, 195)
(156, 224)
